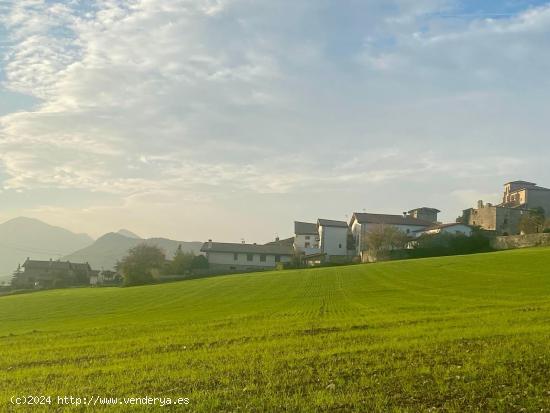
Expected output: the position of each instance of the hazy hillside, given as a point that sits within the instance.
(128, 234)
(111, 247)
(26, 237)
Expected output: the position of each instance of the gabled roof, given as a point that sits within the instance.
(56, 265)
(332, 223)
(305, 228)
(229, 247)
(384, 219)
(286, 241)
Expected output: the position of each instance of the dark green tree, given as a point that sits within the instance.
(141, 263)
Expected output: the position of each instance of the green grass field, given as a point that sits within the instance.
(446, 334)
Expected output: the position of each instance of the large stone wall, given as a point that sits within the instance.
(521, 241)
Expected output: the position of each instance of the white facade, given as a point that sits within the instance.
(307, 243)
(333, 240)
(249, 260)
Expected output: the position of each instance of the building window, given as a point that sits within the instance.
(308, 237)
(277, 258)
(235, 257)
(408, 231)
(249, 257)
(339, 245)
(308, 244)
(262, 258)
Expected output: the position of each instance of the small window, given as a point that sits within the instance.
(308, 244)
(262, 258)
(235, 257)
(308, 237)
(408, 231)
(249, 257)
(277, 258)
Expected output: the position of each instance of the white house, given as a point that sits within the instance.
(306, 238)
(452, 228)
(361, 223)
(333, 237)
(247, 257)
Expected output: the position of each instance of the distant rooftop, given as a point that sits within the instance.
(271, 248)
(425, 209)
(384, 219)
(305, 228)
(332, 223)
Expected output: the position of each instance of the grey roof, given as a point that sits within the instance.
(425, 209)
(285, 241)
(366, 218)
(55, 265)
(229, 247)
(305, 228)
(332, 223)
(520, 182)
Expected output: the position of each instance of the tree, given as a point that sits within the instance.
(184, 262)
(140, 264)
(533, 222)
(382, 239)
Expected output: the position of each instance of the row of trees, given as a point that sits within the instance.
(146, 263)
(386, 242)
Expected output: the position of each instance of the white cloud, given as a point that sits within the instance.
(176, 101)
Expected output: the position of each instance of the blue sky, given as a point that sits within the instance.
(229, 119)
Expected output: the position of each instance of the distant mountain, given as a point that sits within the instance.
(27, 237)
(128, 234)
(111, 247)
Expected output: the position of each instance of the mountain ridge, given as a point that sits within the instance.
(24, 237)
(111, 247)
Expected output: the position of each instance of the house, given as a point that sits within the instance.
(425, 214)
(452, 228)
(306, 238)
(333, 236)
(503, 220)
(361, 223)
(105, 277)
(47, 274)
(226, 256)
(526, 195)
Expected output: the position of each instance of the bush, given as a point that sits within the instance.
(450, 244)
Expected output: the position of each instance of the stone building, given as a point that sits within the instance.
(526, 195)
(502, 220)
(425, 214)
(519, 197)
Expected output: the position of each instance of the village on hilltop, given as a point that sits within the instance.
(323, 242)
(334, 241)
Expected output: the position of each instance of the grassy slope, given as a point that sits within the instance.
(460, 333)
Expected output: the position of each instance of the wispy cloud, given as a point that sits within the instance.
(151, 101)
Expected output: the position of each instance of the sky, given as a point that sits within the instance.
(230, 119)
